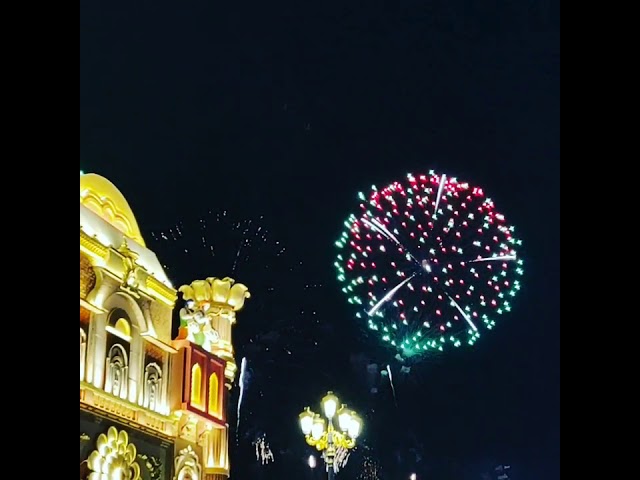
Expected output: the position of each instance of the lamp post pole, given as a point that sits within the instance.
(320, 432)
(330, 452)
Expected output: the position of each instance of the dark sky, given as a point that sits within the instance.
(289, 109)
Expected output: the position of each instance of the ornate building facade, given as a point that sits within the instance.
(151, 407)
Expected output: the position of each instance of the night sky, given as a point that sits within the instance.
(280, 113)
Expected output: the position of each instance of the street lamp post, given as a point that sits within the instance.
(322, 434)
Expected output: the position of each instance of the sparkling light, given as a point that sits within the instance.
(370, 470)
(341, 458)
(263, 451)
(428, 263)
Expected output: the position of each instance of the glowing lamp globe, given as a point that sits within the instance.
(306, 421)
(318, 428)
(355, 425)
(312, 461)
(344, 418)
(330, 405)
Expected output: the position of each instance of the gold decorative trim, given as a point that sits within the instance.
(105, 200)
(216, 471)
(216, 476)
(122, 421)
(123, 409)
(99, 254)
(224, 296)
(160, 291)
(189, 416)
(92, 247)
(114, 457)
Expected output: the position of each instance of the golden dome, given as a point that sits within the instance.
(103, 198)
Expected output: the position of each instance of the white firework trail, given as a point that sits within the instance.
(393, 388)
(389, 295)
(498, 258)
(443, 180)
(243, 366)
(463, 313)
(374, 224)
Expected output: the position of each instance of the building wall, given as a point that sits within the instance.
(129, 383)
(156, 403)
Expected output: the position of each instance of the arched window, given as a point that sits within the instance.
(83, 352)
(116, 376)
(152, 377)
(214, 394)
(119, 326)
(196, 385)
(122, 326)
(117, 372)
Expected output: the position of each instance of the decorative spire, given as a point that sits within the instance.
(208, 314)
(213, 293)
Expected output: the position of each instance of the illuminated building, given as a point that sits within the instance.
(151, 407)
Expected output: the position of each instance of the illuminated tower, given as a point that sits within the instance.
(150, 407)
(126, 304)
(205, 355)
